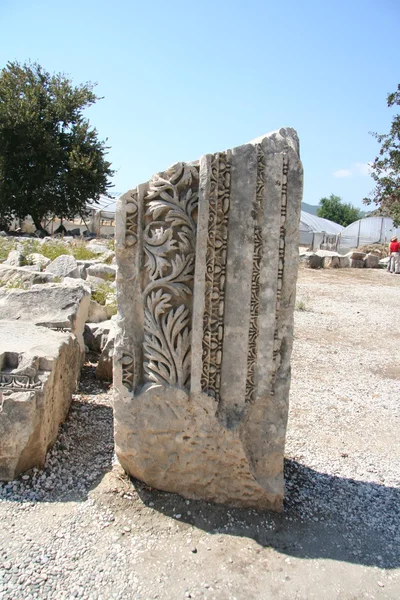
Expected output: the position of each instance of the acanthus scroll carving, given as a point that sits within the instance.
(169, 240)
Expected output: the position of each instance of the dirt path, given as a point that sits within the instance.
(82, 529)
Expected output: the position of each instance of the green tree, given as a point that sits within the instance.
(334, 209)
(385, 170)
(51, 160)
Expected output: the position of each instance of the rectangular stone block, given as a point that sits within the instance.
(39, 369)
(207, 258)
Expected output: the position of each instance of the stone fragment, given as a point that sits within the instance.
(331, 262)
(357, 255)
(207, 259)
(39, 370)
(315, 262)
(56, 306)
(38, 260)
(96, 334)
(104, 369)
(64, 266)
(371, 261)
(97, 312)
(106, 272)
(357, 263)
(23, 275)
(97, 247)
(15, 258)
(344, 262)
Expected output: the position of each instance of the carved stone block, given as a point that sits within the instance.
(207, 258)
(39, 369)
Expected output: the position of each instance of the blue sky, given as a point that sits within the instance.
(181, 79)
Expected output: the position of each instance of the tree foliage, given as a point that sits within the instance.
(334, 209)
(385, 170)
(51, 160)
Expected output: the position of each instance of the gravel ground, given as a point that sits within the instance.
(81, 529)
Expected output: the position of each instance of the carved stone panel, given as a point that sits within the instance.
(207, 264)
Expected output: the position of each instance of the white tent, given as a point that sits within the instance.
(316, 231)
(371, 230)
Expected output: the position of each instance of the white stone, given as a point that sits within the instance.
(23, 275)
(207, 258)
(38, 260)
(106, 272)
(15, 259)
(64, 266)
(39, 370)
(97, 312)
(56, 306)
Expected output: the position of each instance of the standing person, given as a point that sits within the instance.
(394, 253)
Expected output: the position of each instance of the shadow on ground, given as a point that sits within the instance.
(324, 517)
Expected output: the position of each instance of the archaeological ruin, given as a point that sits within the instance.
(207, 257)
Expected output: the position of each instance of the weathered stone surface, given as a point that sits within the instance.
(23, 275)
(14, 259)
(371, 261)
(344, 262)
(357, 263)
(38, 260)
(57, 306)
(207, 258)
(64, 266)
(106, 272)
(96, 334)
(97, 312)
(315, 262)
(39, 370)
(357, 255)
(331, 262)
(104, 369)
(97, 247)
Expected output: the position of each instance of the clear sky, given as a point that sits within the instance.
(182, 78)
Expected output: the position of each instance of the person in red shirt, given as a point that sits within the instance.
(394, 253)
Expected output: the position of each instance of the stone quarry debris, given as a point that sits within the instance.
(39, 370)
(207, 258)
(23, 276)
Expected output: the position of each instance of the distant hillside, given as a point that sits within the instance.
(309, 208)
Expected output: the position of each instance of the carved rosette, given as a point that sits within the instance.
(216, 256)
(169, 240)
(255, 278)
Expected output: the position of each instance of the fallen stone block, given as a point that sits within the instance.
(331, 262)
(357, 263)
(371, 261)
(102, 271)
(97, 312)
(344, 262)
(96, 334)
(104, 369)
(38, 260)
(64, 266)
(39, 370)
(315, 262)
(24, 276)
(207, 263)
(14, 259)
(357, 255)
(59, 306)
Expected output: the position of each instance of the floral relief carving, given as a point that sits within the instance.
(169, 240)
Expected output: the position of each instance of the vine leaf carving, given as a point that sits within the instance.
(166, 341)
(169, 245)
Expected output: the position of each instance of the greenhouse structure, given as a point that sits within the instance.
(316, 232)
(371, 230)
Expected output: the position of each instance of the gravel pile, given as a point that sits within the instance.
(81, 529)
